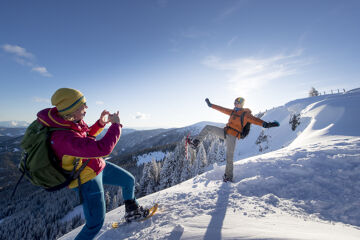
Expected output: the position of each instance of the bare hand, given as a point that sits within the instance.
(104, 117)
(114, 118)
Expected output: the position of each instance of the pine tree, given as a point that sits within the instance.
(213, 151)
(180, 161)
(167, 171)
(200, 161)
(313, 92)
(202, 158)
(186, 171)
(144, 179)
(262, 141)
(294, 121)
(221, 153)
(153, 177)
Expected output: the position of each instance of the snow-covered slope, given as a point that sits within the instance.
(305, 186)
(335, 114)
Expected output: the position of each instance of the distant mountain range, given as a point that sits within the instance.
(12, 124)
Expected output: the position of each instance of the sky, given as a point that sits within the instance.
(156, 61)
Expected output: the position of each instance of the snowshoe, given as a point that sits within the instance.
(194, 143)
(151, 212)
(134, 211)
(227, 179)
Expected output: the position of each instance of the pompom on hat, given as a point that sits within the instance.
(67, 100)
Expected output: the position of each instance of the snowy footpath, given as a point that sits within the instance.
(298, 192)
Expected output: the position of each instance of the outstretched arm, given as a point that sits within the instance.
(254, 120)
(219, 108)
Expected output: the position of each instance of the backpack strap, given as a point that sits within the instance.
(242, 119)
(17, 184)
(228, 127)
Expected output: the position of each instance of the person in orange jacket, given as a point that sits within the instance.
(239, 117)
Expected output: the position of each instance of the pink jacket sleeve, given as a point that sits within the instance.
(96, 129)
(72, 144)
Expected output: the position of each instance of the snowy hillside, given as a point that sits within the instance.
(306, 185)
(322, 115)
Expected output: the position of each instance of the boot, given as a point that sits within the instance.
(194, 143)
(227, 179)
(133, 211)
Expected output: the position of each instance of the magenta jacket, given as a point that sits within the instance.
(80, 143)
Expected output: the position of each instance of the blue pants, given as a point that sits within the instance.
(93, 197)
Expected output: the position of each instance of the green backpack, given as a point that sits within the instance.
(246, 128)
(39, 164)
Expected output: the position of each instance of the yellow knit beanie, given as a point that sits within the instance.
(67, 100)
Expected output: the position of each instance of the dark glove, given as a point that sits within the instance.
(208, 102)
(271, 124)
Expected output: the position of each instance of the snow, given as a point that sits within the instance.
(148, 157)
(78, 210)
(305, 185)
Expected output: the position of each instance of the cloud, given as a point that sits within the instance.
(41, 100)
(18, 51)
(141, 116)
(99, 103)
(25, 58)
(247, 74)
(42, 71)
(24, 62)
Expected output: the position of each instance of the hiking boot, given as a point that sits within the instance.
(194, 143)
(134, 212)
(227, 179)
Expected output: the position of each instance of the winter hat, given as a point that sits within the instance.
(240, 101)
(67, 100)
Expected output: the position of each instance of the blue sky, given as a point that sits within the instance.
(156, 61)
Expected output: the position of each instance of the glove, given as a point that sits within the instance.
(271, 124)
(208, 102)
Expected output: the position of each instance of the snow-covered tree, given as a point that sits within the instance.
(216, 151)
(262, 141)
(200, 161)
(180, 162)
(150, 179)
(313, 92)
(167, 171)
(294, 121)
(154, 177)
(187, 169)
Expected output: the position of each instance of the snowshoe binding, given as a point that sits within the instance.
(134, 212)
